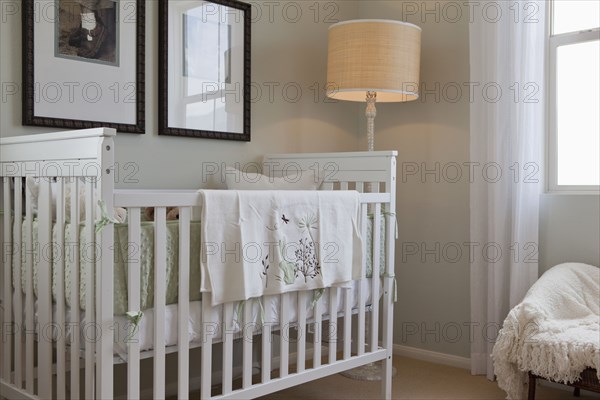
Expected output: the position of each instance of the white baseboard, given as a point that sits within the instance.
(432, 356)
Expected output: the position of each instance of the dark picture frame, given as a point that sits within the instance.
(88, 102)
(176, 22)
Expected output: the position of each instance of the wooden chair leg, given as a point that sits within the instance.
(532, 379)
(577, 392)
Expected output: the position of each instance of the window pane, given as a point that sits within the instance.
(575, 15)
(578, 105)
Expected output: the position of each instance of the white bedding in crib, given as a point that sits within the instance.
(122, 325)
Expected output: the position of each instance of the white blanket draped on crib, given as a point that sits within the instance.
(258, 243)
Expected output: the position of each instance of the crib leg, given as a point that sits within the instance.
(386, 379)
(577, 392)
(531, 387)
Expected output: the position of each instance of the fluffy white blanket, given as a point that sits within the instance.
(266, 242)
(554, 332)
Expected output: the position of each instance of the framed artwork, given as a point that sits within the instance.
(83, 64)
(204, 69)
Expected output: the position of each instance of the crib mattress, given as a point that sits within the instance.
(145, 328)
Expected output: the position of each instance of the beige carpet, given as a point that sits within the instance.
(415, 380)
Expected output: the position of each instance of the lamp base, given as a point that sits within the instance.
(369, 372)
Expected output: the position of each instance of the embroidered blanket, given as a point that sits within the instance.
(257, 243)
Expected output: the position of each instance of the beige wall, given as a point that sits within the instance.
(433, 295)
(433, 310)
(283, 51)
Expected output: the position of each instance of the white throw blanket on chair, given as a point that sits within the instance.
(554, 332)
(258, 243)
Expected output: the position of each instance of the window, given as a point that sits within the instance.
(574, 97)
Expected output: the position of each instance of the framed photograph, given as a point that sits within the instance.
(204, 69)
(83, 64)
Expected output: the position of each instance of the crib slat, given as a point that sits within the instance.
(59, 264)
(29, 301)
(332, 336)
(75, 307)
(388, 286)
(284, 338)
(347, 323)
(183, 354)
(44, 290)
(375, 277)
(160, 277)
(360, 186)
(89, 287)
(301, 358)
(327, 186)
(361, 287)
(343, 185)
(227, 347)
(17, 240)
(7, 301)
(104, 282)
(208, 331)
(133, 290)
(247, 338)
(266, 341)
(317, 316)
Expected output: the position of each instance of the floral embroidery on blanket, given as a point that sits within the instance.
(304, 261)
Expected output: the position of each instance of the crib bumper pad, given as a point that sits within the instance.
(123, 252)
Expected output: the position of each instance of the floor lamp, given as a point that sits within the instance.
(373, 60)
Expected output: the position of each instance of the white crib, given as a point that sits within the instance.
(343, 329)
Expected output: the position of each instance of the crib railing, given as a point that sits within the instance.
(135, 201)
(251, 336)
(41, 363)
(48, 351)
(373, 174)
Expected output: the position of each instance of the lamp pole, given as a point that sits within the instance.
(371, 113)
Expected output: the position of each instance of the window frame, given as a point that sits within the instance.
(554, 42)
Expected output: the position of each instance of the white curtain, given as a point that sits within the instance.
(507, 52)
